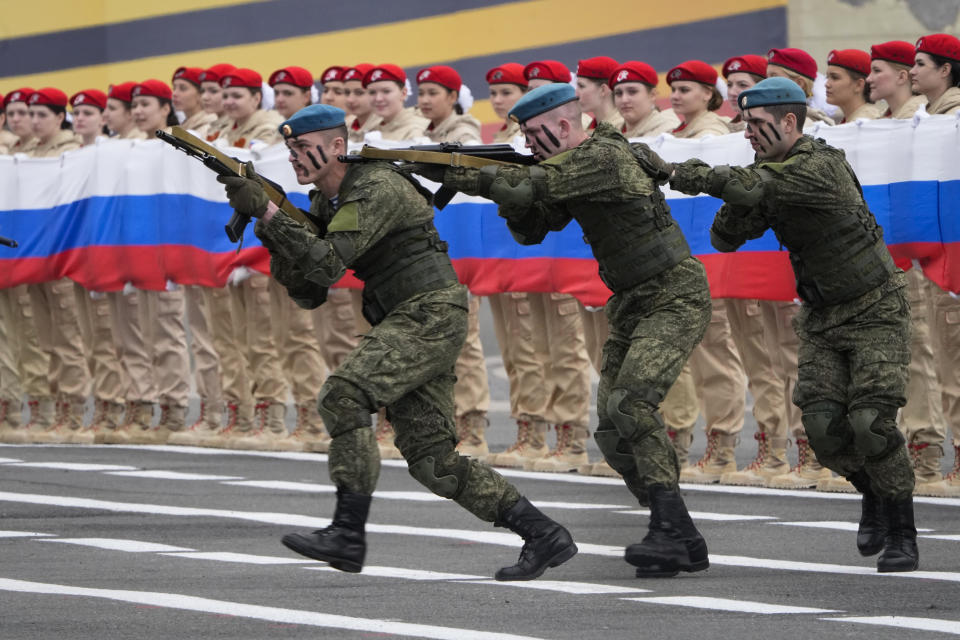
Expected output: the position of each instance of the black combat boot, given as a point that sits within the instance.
(900, 551)
(673, 543)
(546, 543)
(873, 522)
(343, 543)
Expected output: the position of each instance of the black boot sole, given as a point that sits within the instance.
(898, 568)
(555, 561)
(296, 543)
(657, 566)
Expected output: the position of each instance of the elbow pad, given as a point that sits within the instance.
(494, 186)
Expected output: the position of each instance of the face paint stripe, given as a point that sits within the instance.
(551, 137)
(323, 156)
(540, 142)
(316, 165)
(764, 134)
(775, 132)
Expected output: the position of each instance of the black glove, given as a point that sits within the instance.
(432, 172)
(246, 194)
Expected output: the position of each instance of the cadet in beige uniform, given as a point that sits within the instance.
(799, 66)
(438, 99)
(332, 82)
(847, 88)
(594, 92)
(634, 86)
(55, 307)
(360, 116)
(211, 99)
(11, 391)
(936, 76)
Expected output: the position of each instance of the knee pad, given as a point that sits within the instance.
(444, 471)
(874, 431)
(822, 421)
(343, 407)
(631, 427)
(615, 449)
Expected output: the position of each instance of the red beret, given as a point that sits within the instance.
(599, 68)
(190, 74)
(694, 70)
(441, 75)
(122, 91)
(242, 78)
(507, 73)
(297, 76)
(20, 95)
(153, 88)
(634, 72)
(217, 71)
(796, 60)
(852, 59)
(332, 74)
(384, 72)
(356, 72)
(92, 97)
(940, 44)
(49, 96)
(757, 65)
(896, 51)
(551, 70)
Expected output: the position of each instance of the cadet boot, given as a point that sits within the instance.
(12, 430)
(672, 543)
(385, 436)
(136, 427)
(107, 416)
(238, 420)
(571, 451)
(771, 461)
(900, 551)
(600, 468)
(927, 459)
(682, 439)
(342, 544)
(873, 521)
(205, 426)
(42, 417)
(51, 430)
(953, 478)
(805, 475)
(173, 419)
(530, 445)
(471, 434)
(309, 434)
(717, 460)
(269, 432)
(546, 543)
(72, 426)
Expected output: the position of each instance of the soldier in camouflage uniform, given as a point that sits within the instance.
(660, 305)
(377, 222)
(854, 326)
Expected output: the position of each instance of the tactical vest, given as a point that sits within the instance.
(633, 241)
(404, 263)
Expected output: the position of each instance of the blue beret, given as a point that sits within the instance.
(316, 117)
(771, 91)
(541, 100)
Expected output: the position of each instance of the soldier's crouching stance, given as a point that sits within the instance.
(854, 326)
(377, 222)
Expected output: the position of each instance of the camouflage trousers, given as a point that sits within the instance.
(861, 362)
(654, 327)
(406, 364)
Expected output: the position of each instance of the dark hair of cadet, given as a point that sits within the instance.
(716, 99)
(56, 110)
(172, 120)
(779, 112)
(954, 68)
(456, 105)
(856, 75)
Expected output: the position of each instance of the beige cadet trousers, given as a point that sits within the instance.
(560, 346)
(57, 317)
(297, 345)
(922, 419)
(130, 311)
(337, 323)
(763, 375)
(229, 341)
(107, 375)
(946, 347)
(10, 388)
(513, 325)
(782, 341)
(680, 407)
(596, 330)
(719, 376)
(168, 345)
(33, 364)
(206, 360)
(251, 300)
(472, 390)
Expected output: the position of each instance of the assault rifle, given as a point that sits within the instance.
(452, 154)
(7, 242)
(224, 165)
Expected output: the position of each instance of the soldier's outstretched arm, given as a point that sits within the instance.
(740, 186)
(319, 261)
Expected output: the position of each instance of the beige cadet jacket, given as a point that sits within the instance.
(62, 141)
(464, 129)
(216, 128)
(133, 134)
(356, 133)
(949, 102)
(262, 125)
(908, 109)
(199, 123)
(405, 126)
(816, 115)
(707, 123)
(7, 141)
(866, 111)
(22, 146)
(614, 119)
(507, 132)
(655, 123)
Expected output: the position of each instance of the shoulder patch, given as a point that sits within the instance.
(347, 218)
(779, 167)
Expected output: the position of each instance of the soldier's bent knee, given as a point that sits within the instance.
(823, 423)
(442, 470)
(614, 449)
(874, 430)
(634, 412)
(343, 407)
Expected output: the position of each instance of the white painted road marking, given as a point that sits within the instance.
(159, 474)
(706, 515)
(243, 558)
(831, 524)
(116, 544)
(904, 622)
(725, 604)
(9, 460)
(22, 534)
(73, 466)
(258, 612)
